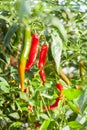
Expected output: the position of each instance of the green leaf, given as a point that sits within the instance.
(75, 124)
(3, 85)
(15, 115)
(60, 27)
(71, 93)
(22, 9)
(43, 116)
(56, 49)
(24, 96)
(18, 106)
(47, 96)
(15, 125)
(73, 107)
(82, 101)
(2, 80)
(7, 119)
(10, 33)
(2, 100)
(4, 89)
(45, 124)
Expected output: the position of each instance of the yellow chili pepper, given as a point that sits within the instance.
(64, 77)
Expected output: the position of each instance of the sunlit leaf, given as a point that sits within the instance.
(45, 124)
(24, 96)
(75, 124)
(2, 80)
(15, 115)
(44, 116)
(82, 101)
(4, 85)
(71, 93)
(56, 49)
(73, 107)
(15, 125)
(60, 27)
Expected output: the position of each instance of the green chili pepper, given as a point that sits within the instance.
(24, 55)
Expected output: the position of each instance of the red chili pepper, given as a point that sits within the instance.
(60, 87)
(25, 90)
(43, 76)
(53, 105)
(33, 52)
(37, 125)
(42, 60)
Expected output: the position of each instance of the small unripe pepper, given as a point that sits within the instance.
(64, 77)
(42, 60)
(24, 55)
(33, 52)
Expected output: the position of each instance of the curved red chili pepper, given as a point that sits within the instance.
(42, 60)
(60, 87)
(33, 52)
(53, 105)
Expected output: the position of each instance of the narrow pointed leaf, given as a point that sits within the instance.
(82, 101)
(56, 49)
(9, 34)
(73, 107)
(15, 125)
(75, 125)
(60, 27)
(45, 124)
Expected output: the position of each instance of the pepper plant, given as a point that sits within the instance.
(43, 67)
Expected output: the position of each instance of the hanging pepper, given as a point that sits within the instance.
(60, 88)
(33, 52)
(24, 55)
(64, 77)
(42, 60)
(82, 69)
(43, 76)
